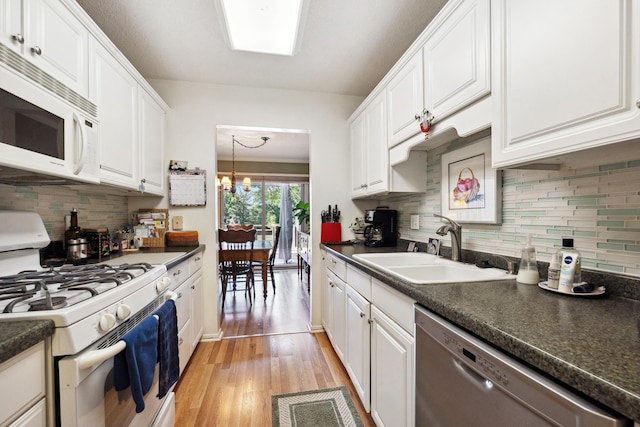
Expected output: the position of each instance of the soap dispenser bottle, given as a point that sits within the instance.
(528, 271)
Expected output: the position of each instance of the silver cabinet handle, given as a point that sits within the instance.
(179, 295)
(18, 37)
(177, 273)
(36, 50)
(361, 314)
(197, 259)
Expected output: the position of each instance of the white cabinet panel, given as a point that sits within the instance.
(456, 59)
(404, 101)
(369, 151)
(392, 372)
(47, 34)
(197, 309)
(574, 85)
(115, 92)
(335, 322)
(358, 345)
(152, 169)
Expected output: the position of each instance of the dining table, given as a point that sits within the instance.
(261, 250)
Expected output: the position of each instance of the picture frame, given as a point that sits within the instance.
(470, 187)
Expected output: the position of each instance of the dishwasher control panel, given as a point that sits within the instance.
(482, 364)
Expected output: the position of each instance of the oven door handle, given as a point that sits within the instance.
(96, 357)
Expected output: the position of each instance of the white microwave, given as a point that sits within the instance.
(43, 133)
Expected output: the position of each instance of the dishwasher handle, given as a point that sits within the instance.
(478, 380)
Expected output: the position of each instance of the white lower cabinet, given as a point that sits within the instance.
(335, 322)
(358, 344)
(23, 379)
(187, 284)
(392, 372)
(371, 329)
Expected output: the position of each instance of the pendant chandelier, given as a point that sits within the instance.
(229, 184)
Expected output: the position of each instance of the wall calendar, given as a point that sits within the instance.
(188, 188)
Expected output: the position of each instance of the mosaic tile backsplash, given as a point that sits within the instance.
(95, 207)
(594, 197)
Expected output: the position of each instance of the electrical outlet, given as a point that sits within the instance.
(415, 222)
(176, 223)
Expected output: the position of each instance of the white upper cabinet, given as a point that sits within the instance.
(566, 76)
(115, 92)
(456, 58)
(152, 170)
(369, 152)
(48, 35)
(405, 101)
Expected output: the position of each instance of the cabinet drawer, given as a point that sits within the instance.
(394, 304)
(195, 263)
(359, 281)
(179, 274)
(338, 267)
(24, 376)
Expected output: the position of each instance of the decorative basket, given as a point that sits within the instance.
(156, 242)
(467, 187)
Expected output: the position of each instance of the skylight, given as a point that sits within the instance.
(264, 26)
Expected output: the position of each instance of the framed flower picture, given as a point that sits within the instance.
(470, 186)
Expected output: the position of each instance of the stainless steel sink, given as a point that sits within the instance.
(423, 268)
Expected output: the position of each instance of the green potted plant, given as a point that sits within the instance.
(302, 213)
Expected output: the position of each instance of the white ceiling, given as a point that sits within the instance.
(347, 48)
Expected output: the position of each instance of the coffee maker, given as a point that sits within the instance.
(382, 230)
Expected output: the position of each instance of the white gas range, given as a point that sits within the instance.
(92, 307)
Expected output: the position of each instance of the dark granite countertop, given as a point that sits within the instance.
(590, 344)
(16, 337)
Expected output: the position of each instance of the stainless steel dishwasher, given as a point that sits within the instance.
(462, 381)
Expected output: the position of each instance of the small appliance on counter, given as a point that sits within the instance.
(382, 228)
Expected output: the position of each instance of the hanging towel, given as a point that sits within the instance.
(135, 366)
(167, 347)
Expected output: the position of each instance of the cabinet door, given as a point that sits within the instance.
(358, 177)
(197, 309)
(392, 372)
(152, 168)
(404, 101)
(456, 59)
(337, 324)
(573, 85)
(116, 93)
(358, 345)
(58, 43)
(11, 24)
(375, 146)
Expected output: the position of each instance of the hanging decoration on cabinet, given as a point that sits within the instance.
(188, 188)
(426, 120)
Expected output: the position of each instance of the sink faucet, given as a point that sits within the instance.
(456, 236)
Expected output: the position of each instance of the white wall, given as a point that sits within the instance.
(196, 110)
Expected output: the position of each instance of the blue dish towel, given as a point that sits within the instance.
(167, 347)
(135, 366)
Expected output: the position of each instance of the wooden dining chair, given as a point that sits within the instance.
(272, 257)
(240, 227)
(236, 259)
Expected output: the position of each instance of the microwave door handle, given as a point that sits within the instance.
(77, 166)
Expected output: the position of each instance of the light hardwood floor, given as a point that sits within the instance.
(265, 351)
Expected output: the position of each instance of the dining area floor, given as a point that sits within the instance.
(266, 350)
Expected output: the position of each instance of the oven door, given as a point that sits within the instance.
(87, 395)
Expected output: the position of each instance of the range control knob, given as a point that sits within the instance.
(123, 311)
(107, 321)
(163, 284)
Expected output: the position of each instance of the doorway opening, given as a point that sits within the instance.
(267, 203)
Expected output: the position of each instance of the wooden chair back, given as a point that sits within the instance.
(240, 227)
(276, 239)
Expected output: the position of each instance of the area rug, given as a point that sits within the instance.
(329, 407)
